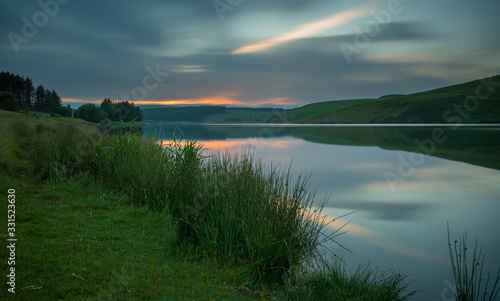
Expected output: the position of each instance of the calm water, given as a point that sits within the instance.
(403, 183)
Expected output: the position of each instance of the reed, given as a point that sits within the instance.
(255, 215)
(468, 272)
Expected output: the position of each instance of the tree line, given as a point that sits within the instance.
(113, 110)
(18, 93)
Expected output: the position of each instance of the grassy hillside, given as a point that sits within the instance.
(307, 112)
(471, 102)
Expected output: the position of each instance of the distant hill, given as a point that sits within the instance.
(472, 102)
(305, 113)
(207, 114)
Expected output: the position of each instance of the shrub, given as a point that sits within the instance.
(90, 112)
(8, 101)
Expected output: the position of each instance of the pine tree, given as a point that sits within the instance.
(40, 98)
(29, 90)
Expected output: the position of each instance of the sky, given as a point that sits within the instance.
(276, 53)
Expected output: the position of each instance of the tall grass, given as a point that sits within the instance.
(332, 281)
(468, 272)
(254, 214)
(232, 208)
(55, 151)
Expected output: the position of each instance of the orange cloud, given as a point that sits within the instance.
(307, 30)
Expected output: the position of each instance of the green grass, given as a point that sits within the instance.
(122, 217)
(423, 107)
(309, 112)
(234, 209)
(335, 282)
(77, 241)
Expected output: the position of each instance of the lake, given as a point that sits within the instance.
(401, 184)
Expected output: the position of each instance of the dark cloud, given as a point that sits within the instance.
(95, 50)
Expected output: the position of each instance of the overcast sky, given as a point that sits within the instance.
(281, 53)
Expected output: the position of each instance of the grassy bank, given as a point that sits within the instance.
(122, 217)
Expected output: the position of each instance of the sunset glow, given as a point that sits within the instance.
(211, 100)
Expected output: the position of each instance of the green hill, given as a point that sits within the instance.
(302, 114)
(472, 102)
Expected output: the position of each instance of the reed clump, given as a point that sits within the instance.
(233, 208)
(470, 283)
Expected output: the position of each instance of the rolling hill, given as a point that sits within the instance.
(472, 102)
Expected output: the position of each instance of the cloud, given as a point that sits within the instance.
(307, 30)
(90, 51)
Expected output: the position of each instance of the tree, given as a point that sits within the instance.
(108, 106)
(39, 98)
(54, 101)
(8, 101)
(29, 91)
(65, 111)
(121, 111)
(90, 112)
(45, 100)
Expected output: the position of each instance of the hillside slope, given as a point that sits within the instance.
(472, 102)
(304, 113)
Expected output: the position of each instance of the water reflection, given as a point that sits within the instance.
(404, 227)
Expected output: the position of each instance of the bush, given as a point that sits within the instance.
(8, 101)
(90, 112)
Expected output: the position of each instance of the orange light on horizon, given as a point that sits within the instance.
(307, 30)
(211, 100)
